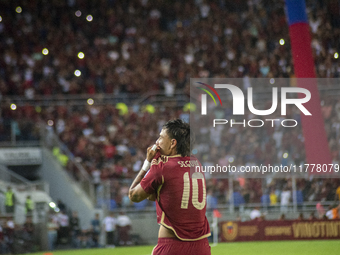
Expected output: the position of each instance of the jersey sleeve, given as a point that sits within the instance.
(152, 180)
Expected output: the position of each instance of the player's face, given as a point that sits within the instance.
(166, 145)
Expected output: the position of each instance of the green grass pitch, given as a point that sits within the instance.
(328, 247)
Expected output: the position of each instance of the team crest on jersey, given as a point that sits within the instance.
(230, 230)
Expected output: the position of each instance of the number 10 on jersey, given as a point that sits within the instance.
(186, 191)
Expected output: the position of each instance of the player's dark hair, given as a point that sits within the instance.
(179, 130)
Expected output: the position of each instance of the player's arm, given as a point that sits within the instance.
(136, 192)
(152, 197)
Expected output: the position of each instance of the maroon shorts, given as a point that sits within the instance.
(172, 246)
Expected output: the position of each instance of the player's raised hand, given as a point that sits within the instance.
(151, 152)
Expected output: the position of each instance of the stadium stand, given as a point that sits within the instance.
(113, 65)
(148, 50)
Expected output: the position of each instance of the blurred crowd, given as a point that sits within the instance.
(320, 213)
(111, 148)
(66, 229)
(143, 45)
(240, 146)
(131, 47)
(17, 238)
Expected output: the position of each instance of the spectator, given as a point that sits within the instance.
(282, 217)
(52, 233)
(28, 234)
(238, 199)
(96, 178)
(335, 212)
(299, 199)
(262, 218)
(9, 200)
(61, 206)
(329, 213)
(312, 216)
(9, 235)
(124, 227)
(320, 210)
(95, 225)
(285, 199)
(300, 216)
(63, 233)
(75, 230)
(273, 198)
(265, 199)
(337, 194)
(29, 205)
(211, 200)
(125, 196)
(255, 213)
(109, 225)
(85, 239)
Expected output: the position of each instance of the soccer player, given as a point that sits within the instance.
(180, 199)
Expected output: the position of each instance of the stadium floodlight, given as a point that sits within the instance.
(89, 18)
(18, 9)
(13, 107)
(45, 51)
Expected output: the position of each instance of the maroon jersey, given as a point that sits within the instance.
(181, 200)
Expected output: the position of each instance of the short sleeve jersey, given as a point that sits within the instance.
(181, 200)
(109, 223)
